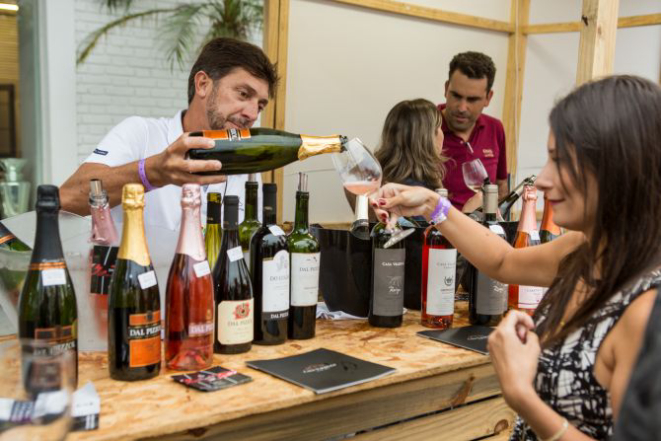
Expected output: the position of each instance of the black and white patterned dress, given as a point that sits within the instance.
(565, 374)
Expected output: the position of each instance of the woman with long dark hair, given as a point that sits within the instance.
(565, 371)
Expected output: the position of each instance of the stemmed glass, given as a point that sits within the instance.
(361, 175)
(36, 390)
(474, 174)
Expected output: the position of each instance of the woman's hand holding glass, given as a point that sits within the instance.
(394, 200)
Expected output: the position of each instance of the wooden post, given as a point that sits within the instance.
(596, 50)
(516, 61)
(276, 30)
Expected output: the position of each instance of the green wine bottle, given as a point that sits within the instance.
(134, 306)
(258, 150)
(250, 222)
(305, 260)
(10, 242)
(47, 306)
(214, 232)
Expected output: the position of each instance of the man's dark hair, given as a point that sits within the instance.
(222, 55)
(474, 65)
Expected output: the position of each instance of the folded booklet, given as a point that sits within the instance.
(473, 338)
(322, 370)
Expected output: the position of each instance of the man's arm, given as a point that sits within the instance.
(168, 167)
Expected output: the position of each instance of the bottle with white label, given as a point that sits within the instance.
(439, 264)
(522, 297)
(487, 298)
(387, 287)
(269, 270)
(134, 304)
(47, 307)
(305, 264)
(189, 293)
(235, 308)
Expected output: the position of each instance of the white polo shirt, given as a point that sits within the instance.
(137, 138)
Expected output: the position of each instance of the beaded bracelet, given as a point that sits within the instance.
(440, 213)
(143, 176)
(561, 432)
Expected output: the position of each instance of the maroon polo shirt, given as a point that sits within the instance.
(487, 142)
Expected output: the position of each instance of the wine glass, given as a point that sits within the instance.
(359, 170)
(474, 174)
(36, 390)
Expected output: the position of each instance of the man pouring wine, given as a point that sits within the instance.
(229, 85)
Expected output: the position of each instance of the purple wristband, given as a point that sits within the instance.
(440, 213)
(143, 176)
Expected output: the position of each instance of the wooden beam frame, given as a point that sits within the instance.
(276, 32)
(432, 14)
(516, 61)
(575, 26)
(596, 50)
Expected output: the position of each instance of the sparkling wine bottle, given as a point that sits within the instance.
(10, 242)
(487, 298)
(233, 289)
(103, 256)
(361, 226)
(269, 263)
(47, 306)
(214, 232)
(134, 305)
(522, 297)
(549, 230)
(258, 150)
(305, 264)
(439, 265)
(189, 293)
(250, 222)
(387, 287)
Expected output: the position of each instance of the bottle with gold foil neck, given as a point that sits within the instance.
(134, 307)
(189, 293)
(243, 151)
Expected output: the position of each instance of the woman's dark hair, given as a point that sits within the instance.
(408, 147)
(608, 129)
(221, 56)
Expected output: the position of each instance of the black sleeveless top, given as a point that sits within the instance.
(565, 374)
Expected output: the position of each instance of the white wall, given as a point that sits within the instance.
(550, 70)
(348, 66)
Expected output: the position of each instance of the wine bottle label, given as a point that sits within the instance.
(235, 322)
(275, 286)
(53, 277)
(276, 230)
(144, 338)
(202, 269)
(534, 235)
(227, 135)
(497, 229)
(441, 272)
(530, 296)
(103, 265)
(305, 278)
(388, 294)
(200, 329)
(246, 257)
(235, 254)
(147, 280)
(6, 238)
(41, 266)
(59, 338)
(491, 296)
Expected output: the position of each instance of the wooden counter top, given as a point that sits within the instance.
(430, 376)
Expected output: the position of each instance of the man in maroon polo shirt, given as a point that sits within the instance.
(468, 133)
